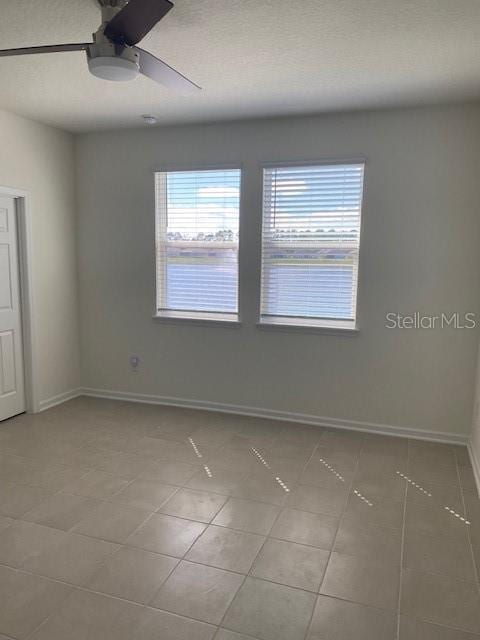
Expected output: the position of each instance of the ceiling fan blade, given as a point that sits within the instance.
(135, 20)
(162, 73)
(55, 48)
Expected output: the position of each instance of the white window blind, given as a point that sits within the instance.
(310, 244)
(197, 226)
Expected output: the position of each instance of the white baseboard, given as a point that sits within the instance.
(43, 405)
(303, 418)
(475, 465)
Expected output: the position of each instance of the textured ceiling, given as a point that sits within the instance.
(252, 58)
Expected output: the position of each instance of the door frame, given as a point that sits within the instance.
(24, 239)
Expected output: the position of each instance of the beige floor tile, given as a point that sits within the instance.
(5, 522)
(26, 600)
(226, 549)
(387, 485)
(166, 534)
(292, 564)
(260, 427)
(432, 453)
(382, 511)
(217, 479)
(467, 479)
(462, 455)
(93, 616)
(14, 469)
(15, 499)
(472, 505)
(451, 558)
(281, 448)
(379, 545)
(342, 461)
(329, 501)
(287, 469)
(434, 520)
(270, 611)
(214, 436)
(61, 511)
(301, 433)
(438, 494)
(340, 620)
(234, 460)
(129, 465)
(145, 494)
(24, 540)
(53, 477)
(318, 474)
(98, 450)
(185, 452)
(194, 505)
(176, 473)
(74, 559)
(225, 634)
(341, 442)
(151, 447)
(199, 592)
(333, 462)
(112, 522)
(385, 445)
(413, 629)
(133, 574)
(242, 442)
(247, 515)
(434, 598)
(262, 487)
(313, 529)
(94, 457)
(423, 472)
(380, 464)
(97, 484)
(358, 580)
(476, 556)
(162, 625)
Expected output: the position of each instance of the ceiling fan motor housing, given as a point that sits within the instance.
(110, 61)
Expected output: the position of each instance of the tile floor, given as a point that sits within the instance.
(121, 521)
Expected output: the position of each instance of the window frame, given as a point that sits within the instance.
(206, 318)
(312, 325)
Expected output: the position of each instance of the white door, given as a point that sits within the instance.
(12, 392)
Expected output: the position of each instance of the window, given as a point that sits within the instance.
(197, 225)
(310, 245)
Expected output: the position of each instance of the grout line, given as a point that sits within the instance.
(339, 523)
(268, 537)
(472, 554)
(402, 545)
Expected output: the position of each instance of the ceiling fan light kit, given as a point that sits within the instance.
(116, 68)
(111, 62)
(113, 54)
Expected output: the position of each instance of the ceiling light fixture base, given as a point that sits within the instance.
(109, 61)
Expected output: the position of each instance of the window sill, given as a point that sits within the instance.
(338, 328)
(230, 320)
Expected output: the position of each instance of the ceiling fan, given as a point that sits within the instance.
(113, 54)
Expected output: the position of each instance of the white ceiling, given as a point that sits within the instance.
(252, 58)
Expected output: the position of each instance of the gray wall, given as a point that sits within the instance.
(40, 160)
(475, 435)
(419, 253)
